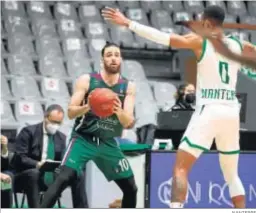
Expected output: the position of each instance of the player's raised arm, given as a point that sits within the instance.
(76, 108)
(173, 40)
(126, 114)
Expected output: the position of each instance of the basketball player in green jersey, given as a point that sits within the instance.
(217, 108)
(93, 138)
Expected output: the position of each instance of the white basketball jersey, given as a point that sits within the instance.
(217, 75)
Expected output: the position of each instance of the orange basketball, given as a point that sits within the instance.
(102, 101)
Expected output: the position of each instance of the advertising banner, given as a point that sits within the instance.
(207, 188)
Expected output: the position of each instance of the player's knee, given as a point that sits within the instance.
(66, 175)
(130, 188)
(180, 172)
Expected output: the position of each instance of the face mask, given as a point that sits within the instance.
(52, 128)
(190, 98)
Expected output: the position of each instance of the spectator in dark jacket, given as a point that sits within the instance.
(34, 145)
(185, 97)
(5, 175)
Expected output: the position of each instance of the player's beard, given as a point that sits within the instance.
(112, 70)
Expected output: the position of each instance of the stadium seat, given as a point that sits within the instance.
(143, 91)
(161, 19)
(13, 8)
(21, 65)
(154, 45)
(73, 47)
(96, 30)
(133, 70)
(194, 6)
(89, 13)
(252, 8)
(230, 19)
(137, 15)
(122, 36)
(151, 5)
(253, 37)
(64, 10)
(54, 88)
(102, 4)
(164, 94)
(78, 65)
(28, 112)
(145, 115)
(5, 89)
(25, 88)
(248, 20)
(173, 6)
(218, 3)
(52, 66)
(69, 28)
(17, 25)
(21, 44)
(3, 68)
(7, 118)
(47, 46)
(236, 8)
(3, 50)
(44, 28)
(38, 10)
(123, 5)
(95, 47)
(181, 16)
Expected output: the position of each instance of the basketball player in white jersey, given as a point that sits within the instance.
(217, 112)
(222, 48)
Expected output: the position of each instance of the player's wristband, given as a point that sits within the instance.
(150, 33)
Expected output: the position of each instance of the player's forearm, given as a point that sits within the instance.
(149, 33)
(246, 60)
(77, 111)
(125, 119)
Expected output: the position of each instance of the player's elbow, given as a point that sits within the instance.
(70, 114)
(130, 124)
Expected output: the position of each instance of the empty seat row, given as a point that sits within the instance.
(27, 112)
(22, 87)
(90, 8)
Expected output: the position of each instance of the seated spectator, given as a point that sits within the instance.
(34, 145)
(6, 176)
(185, 97)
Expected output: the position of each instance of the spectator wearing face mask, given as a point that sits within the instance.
(34, 145)
(185, 97)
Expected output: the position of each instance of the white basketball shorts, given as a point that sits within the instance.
(214, 121)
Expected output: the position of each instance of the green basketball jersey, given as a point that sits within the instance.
(101, 127)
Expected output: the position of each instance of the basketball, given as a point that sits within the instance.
(102, 101)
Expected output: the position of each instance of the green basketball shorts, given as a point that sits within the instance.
(106, 154)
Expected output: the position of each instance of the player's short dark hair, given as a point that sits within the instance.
(53, 107)
(108, 44)
(215, 13)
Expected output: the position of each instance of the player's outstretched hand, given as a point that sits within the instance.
(115, 16)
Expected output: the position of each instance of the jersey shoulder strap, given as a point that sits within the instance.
(237, 40)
